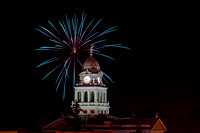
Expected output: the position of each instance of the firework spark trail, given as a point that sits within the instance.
(75, 41)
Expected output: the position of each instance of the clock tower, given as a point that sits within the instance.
(90, 92)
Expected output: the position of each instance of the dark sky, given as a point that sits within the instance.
(159, 74)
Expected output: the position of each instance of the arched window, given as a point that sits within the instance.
(104, 97)
(79, 96)
(92, 96)
(97, 96)
(86, 96)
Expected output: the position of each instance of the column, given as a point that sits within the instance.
(99, 111)
(99, 96)
(75, 96)
(107, 111)
(105, 96)
(82, 96)
(95, 96)
(88, 96)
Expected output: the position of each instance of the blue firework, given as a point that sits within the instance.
(73, 38)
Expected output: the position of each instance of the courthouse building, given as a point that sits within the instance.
(91, 94)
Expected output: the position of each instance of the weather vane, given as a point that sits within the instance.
(91, 49)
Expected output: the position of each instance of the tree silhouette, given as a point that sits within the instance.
(76, 110)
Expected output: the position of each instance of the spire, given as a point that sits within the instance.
(91, 49)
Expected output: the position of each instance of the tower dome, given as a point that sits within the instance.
(91, 65)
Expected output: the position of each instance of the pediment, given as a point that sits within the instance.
(60, 123)
(159, 125)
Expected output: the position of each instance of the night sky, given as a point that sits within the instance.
(160, 73)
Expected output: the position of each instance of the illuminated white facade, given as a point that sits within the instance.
(90, 92)
(92, 99)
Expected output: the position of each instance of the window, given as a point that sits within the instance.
(97, 96)
(86, 97)
(84, 111)
(92, 111)
(101, 111)
(92, 97)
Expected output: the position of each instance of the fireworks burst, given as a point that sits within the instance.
(73, 39)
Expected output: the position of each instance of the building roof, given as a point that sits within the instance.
(59, 124)
(103, 122)
(91, 65)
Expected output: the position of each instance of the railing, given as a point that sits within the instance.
(93, 104)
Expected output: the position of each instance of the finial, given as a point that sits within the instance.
(62, 115)
(91, 49)
(156, 116)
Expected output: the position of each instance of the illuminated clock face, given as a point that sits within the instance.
(99, 80)
(86, 79)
